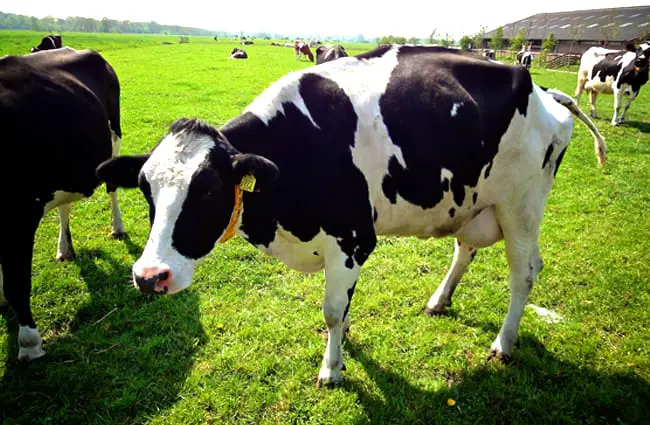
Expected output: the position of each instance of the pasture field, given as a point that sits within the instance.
(244, 343)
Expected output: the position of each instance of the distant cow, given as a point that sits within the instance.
(60, 117)
(49, 42)
(400, 140)
(621, 72)
(524, 58)
(247, 42)
(329, 53)
(238, 54)
(302, 49)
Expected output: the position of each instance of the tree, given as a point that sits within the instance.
(104, 26)
(496, 42)
(447, 41)
(477, 41)
(465, 42)
(549, 44)
(412, 40)
(519, 40)
(432, 36)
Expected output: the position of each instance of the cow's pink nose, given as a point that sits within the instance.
(152, 280)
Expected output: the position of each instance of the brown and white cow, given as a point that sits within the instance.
(401, 140)
(302, 50)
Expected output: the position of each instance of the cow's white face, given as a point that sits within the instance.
(189, 182)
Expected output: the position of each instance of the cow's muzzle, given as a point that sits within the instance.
(153, 280)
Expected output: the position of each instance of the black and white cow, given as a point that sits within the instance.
(621, 72)
(238, 54)
(60, 117)
(401, 140)
(329, 52)
(525, 58)
(49, 42)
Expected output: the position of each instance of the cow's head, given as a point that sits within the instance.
(191, 181)
(642, 57)
(48, 43)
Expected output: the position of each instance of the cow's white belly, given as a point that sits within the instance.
(306, 257)
(61, 198)
(599, 86)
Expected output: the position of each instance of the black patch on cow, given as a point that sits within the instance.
(471, 258)
(559, 161)
(375, 214)
(446, 185)
(633, 78)
(488, 169)
(474, 197)
(452, 212)
(547, 155)
(205, 214)
(350, 294)
(145, 188)
(416, 105)
(609, 66)
(311, 193)
(349, 263)
(315, 252)
(375, 53)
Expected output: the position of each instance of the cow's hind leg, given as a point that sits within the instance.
(65, 250)
(618, 98)
(341, 273)
(16, 253)
(117, 224)
(441, 299)
(592, 103)
(582, 80)
(521, 226)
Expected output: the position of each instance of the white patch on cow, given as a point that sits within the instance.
(306, 257)
(445, 174)
(285, 90)
(329, 54)
(61, 198)
(454, 108)
(169, 171)
(30, 344)
(116, 216)
(547, 315)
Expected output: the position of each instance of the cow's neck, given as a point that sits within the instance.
(248, 134)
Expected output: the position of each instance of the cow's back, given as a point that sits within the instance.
(55, 130)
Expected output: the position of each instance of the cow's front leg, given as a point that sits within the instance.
(117, 225)
(65, 250)
(618, 97)
(628, 101)
(16, 253)
(341, 273)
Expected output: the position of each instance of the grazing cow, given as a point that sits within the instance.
(401, 140)
(238, 54)
(621, 72)
(329, 53)
(302, 49)
(59, 111)
(525, 58)
(52, 41)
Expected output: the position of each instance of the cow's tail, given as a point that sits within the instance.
(599, 141)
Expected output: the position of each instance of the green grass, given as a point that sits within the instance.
(244, 343)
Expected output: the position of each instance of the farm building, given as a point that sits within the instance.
(578, 30)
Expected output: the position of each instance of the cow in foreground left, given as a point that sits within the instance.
(401, 140)
(59, 113)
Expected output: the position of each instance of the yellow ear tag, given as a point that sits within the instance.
(248, 183)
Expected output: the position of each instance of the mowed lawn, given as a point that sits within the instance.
(244, 343)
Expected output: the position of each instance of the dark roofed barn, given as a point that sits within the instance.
(578, 30)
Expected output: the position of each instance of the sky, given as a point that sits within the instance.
(414, 18)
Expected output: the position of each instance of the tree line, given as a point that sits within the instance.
(80, 24)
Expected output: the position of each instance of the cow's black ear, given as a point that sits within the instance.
(320, 49)
(121, 171)
(264, 171)
(630, 47)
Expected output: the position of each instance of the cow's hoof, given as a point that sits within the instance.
(329, 378)
(65, 256)
(500, 356)
(435, 311)
(594, 115)
(30, 344)
(118, 235)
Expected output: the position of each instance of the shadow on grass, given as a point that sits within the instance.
(122, 359)
(643, 127)
(535, 388)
